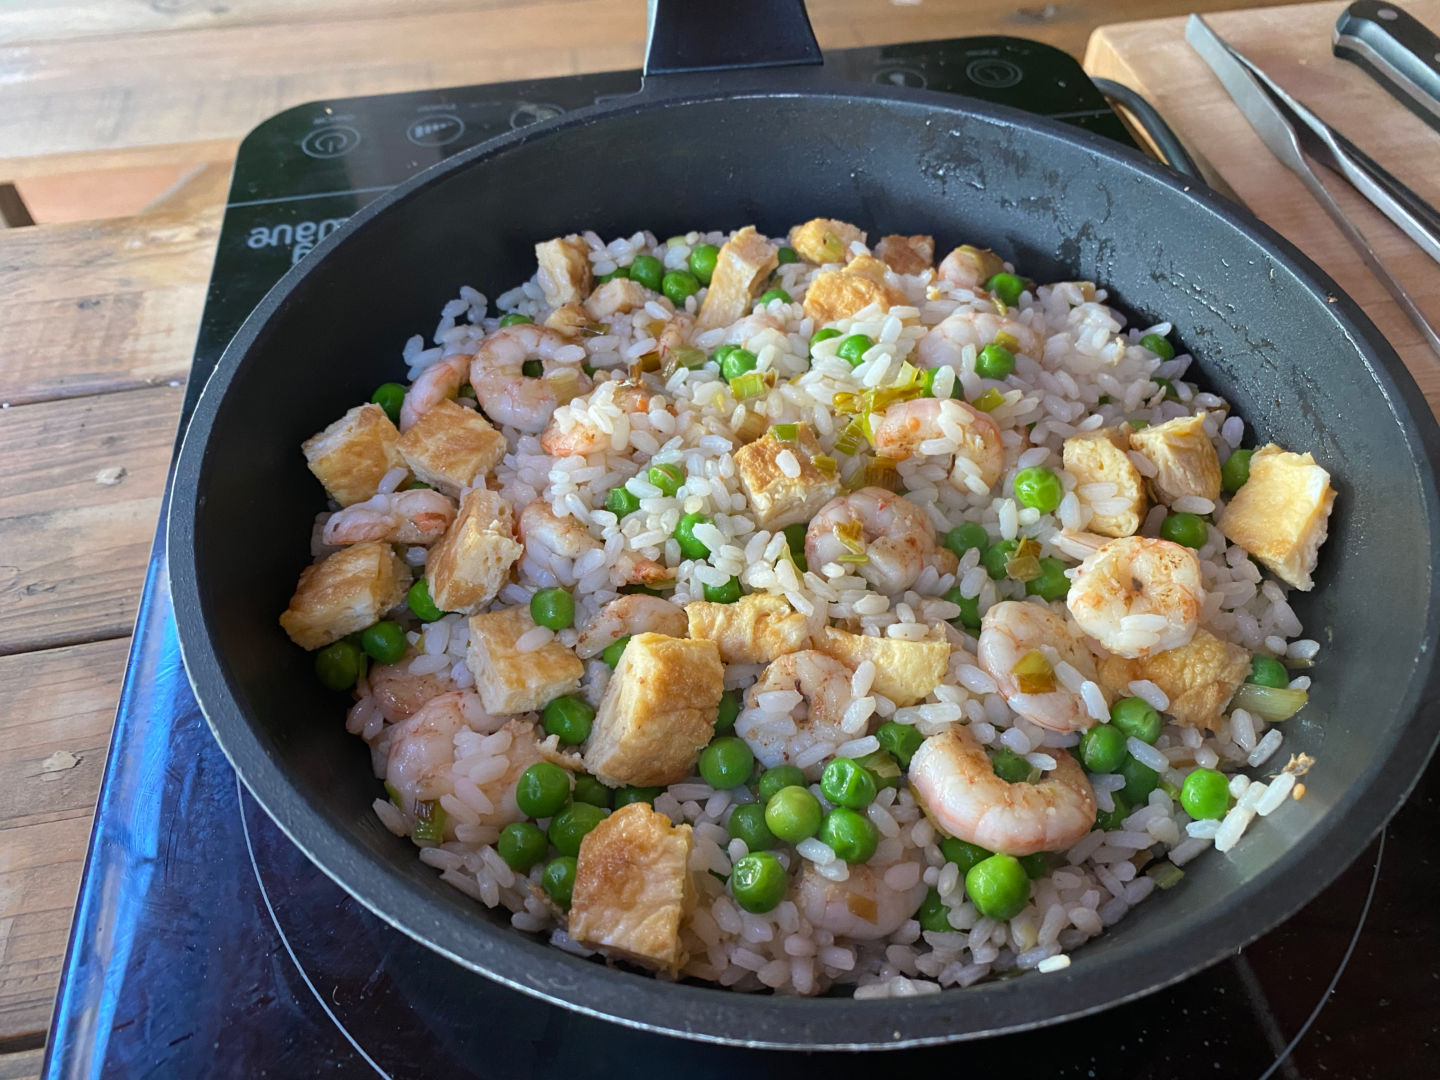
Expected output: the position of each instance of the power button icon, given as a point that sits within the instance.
(332, 141)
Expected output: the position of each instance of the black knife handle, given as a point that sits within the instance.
(1398, 52)
(697, 35)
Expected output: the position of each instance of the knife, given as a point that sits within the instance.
(1398, 52)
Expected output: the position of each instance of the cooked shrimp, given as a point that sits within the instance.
(676, 333)
(400, 517)
(547, 535)
(884, 537)
(861, 907)
(399, 695)
(907, 425)
(823, 684)
(972, 326)
(576, 428)
(1009, 632)
(954, 780)
(510, 397)
(628, 615)
(970, 267)
(438, 382)
(1138, 596)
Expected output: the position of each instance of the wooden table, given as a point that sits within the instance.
(118, 128)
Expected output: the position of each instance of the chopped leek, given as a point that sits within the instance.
(430, 823)
(1006, 340)
(881, 473)
(1165, 874)
(1034, 673)
(785, 432)
(1270, 703)
(1024, 563)
(990, 400)
(749, 385)
(832, 249)
(394, 794)
(824, 463)
(684, 356)
(853, 437)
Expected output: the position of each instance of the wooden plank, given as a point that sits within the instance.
(54, 705)
(24, 1065)
(75, 530)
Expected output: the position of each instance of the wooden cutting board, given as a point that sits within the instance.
(1292, 45)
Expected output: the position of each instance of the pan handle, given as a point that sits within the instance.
(702, 35)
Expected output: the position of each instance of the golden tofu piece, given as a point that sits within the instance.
(1184, 456)
(352, 455)
(633, 888)
(839, 294)
(777, 498)
(658, 711)
(472, 561)
(1281, 515)
(1199, 678)
(568, 319)
(1099, 457)
(754, 630)
(907, 254)
(741, 270)
(449, 446)
(509, 681)
(825, 240)
(906, 672)
(615, 297)
(345, 592)
(565, 275)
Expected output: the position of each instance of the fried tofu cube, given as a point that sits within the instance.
(658, 711)
(565, 276)
(741, 270)
(345, 592)
(906, 672)
(907, 254)
(472, 561)
(1281, 515)
(509, 681)
(839, 294)
(568, 319)
(1199, 678)
(1099, 457)
(1184, 456)
(754, 630)
(352, 455)
(778, 498)
(825, 240)
(616, 297)
(633, 888)
(449, 446)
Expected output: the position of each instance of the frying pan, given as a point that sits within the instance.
(712, 143)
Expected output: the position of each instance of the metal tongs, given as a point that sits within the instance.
(1292, 131)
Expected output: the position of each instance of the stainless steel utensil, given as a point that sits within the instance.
(1398, 51)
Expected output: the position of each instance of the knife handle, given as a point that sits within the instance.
(1398, 52)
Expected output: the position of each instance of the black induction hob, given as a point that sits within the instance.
(205, 944)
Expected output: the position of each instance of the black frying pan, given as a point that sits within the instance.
(773, 146)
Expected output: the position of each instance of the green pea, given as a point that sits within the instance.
(627, 795)
(774, 294)
(384, 641)
(882, 768)
(795, 537)
(996, 556)
(646, 269)
(735, 362)
(962, 538)
(1159, 346)
(747, 822)
(1138, 424)
(569, 717)
(728, 711)
(569, 826)
(620, 502)
(553, 608)
(900, 741)
(337, 666)
(1010, 766)
(690, 547)
(667, 477)
(532, 369)
(793, 814)
(515, 319)
(558, 880)
(1110, 820)
(963, 853)
(1052, 584)
(1036, 865)
(772, 781)
(786, 255)
(542, 789)
(726, 763)
(1140, 780)
(611, 652)
(847, 783)
(969, 616)
(1102, 748)
(852, 350)
(1265, 671)
(723, 594)
(998, 887)
(822, 335)
(1187, 529)
(1168, 387)
(618, 272)
(679, 285)
(421, 604)
(1236, 470)
(850, 834)
(702, 262)
(521, 845)
(994, 362)
(390, 396)
(757, 882)
(933, 915)
(592, 791)
(416, 485)
(1007, 287)
(1205, 794)
(1136, 716)
(927, 385)
(1039, 488)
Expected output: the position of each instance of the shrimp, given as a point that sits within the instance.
(510, 397)
(627, 615)
(438, 382)
(742, 330)
(969, 267)
(400, 517)
(823, 684)
(676, 333)
(1009, 632)
(942, 345)
(954, 780)
(547, 536)
(1138, 596)
(886, 538)
(906, 425)
(576, 429)
(862, 906)
(400, 695)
